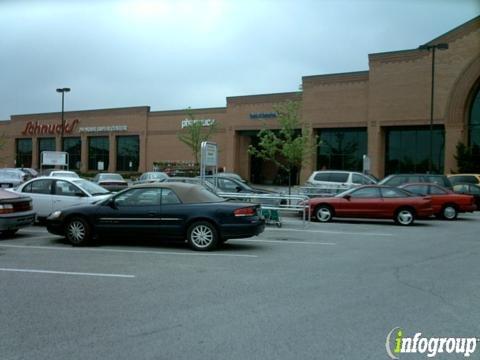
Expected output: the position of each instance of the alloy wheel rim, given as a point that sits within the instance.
(202, 236)
(405, 217)
(324, 214)
(449, 212)
(76, 231)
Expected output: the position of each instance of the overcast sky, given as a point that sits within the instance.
(173, 54)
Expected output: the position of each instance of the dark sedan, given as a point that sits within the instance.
(169, 210)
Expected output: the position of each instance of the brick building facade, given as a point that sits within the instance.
(383, 112)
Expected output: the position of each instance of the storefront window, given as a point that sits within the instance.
(73, 146)
(98, 153)
(342, 149)
(24, 153)
(408, 150)
(45, 144)
(128, 148)
(474, 122)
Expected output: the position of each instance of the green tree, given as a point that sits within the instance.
(195, 132)
(291, 146)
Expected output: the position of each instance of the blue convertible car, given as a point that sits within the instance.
(165, 210)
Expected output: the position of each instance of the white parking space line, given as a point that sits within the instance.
(293, 242)
(333, 232)
(127, 251)
(67, 273)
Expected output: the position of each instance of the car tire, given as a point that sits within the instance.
(202, 236)
(404, 217)
(449, 212)
(323, 213)
(78, 231)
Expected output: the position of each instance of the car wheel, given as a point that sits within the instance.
(77, 232)
(202, 236)
(449, 212)
(9, 233)
(404, 217)
(323, 213)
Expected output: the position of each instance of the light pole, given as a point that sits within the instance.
(433, 47)
(63, 91)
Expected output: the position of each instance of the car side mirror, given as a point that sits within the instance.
(347, 197)
(79, 194)
(238, 188)
(111, 202)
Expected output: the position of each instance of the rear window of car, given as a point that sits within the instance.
(393, 193)
(338, 177)
(321, 176)
(363, 180)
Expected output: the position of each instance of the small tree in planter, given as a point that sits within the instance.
(194, 133)
(289, 147)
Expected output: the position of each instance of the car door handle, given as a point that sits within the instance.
(151, 213)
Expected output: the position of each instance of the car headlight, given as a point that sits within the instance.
(55, 215)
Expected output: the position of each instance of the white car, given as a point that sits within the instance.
(50, 193)
(331, 182)
(64, 174)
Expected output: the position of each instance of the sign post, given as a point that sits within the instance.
(208, 159)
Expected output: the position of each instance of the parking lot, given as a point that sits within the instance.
(326, 291)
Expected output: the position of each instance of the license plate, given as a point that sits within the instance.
(5, 185)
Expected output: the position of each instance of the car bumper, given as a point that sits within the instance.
(16, 221)
(237, 231)
(55, 227)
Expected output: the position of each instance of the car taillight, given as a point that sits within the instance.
(248, 211)
(6, 208)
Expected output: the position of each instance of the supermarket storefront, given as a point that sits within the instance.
(383, 112)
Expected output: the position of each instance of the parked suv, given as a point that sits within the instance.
(400, 179)
(330, 182)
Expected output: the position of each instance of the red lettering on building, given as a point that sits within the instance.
(35, 128)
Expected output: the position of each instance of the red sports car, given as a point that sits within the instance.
(446, 204)
(373, 201)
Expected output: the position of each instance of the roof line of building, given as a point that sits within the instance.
(259, 96)
(463, 26)
(83, 111)
(350, 75)
(184, 111)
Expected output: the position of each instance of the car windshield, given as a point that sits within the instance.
(90, 187)
(111, 177)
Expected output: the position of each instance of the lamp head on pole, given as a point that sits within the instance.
(440, 46)
(62, 90)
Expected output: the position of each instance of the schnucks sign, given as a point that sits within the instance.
(35, 128)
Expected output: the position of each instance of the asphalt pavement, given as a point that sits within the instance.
(325, 291)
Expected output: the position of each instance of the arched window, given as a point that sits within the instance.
(474, 121)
